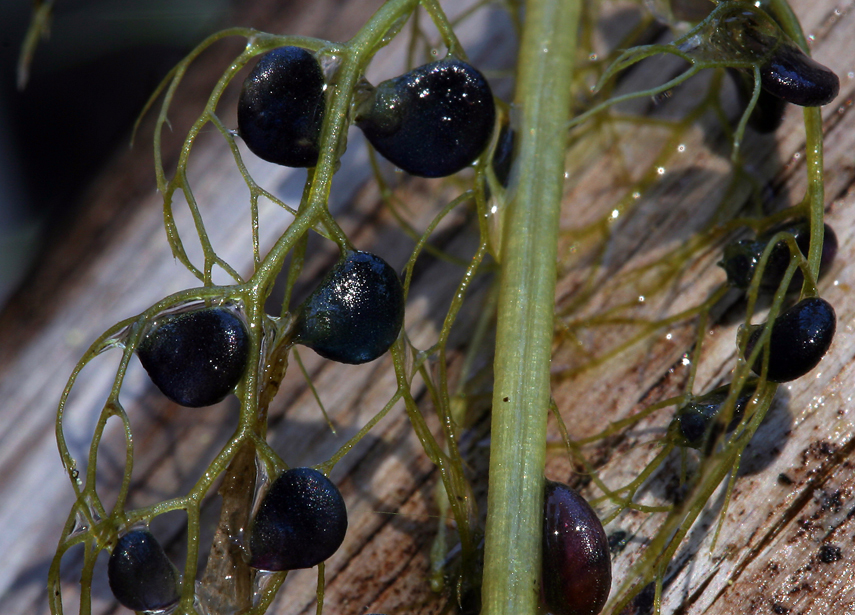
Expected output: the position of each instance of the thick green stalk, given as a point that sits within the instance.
(526, 299)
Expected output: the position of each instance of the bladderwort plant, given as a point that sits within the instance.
(567, 111)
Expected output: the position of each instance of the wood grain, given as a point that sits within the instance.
(780, 539)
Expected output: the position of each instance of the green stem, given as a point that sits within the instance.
(525, 323)
(816, 188)
(813, 145)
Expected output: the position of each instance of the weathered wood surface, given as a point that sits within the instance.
(114, 262)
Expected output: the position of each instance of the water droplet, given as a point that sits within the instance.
(681, 148)
(661, 170)
(330, 63)
(615, 214)
(200, 609)
(81, 525)
(262, 475)
(262, 581)
(592, 57)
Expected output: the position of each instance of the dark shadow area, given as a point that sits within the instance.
(87, 85)
(770, 438)
(685, 557)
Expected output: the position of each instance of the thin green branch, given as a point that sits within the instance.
(521, 394)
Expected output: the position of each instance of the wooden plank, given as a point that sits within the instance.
(113, 262)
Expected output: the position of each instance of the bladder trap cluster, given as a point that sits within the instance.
(441, 119)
